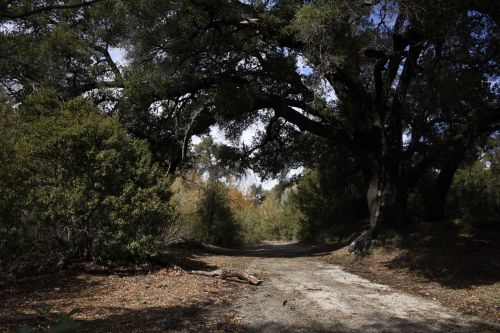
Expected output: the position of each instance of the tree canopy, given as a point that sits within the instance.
(404, 86)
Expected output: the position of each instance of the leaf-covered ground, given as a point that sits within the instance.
(161, 300)
(455, 264)
(456, 274)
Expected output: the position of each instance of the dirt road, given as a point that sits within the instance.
(300, 293)
(303, 294)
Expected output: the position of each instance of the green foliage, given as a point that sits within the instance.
(10, 191)
(475, 193)
(82, 186)
(214, 222)
(330, 198)
(418, 198)
(253, 227)
(271, 219)
(215, 160)
(60, 322)
(217, 213)
(206, 206)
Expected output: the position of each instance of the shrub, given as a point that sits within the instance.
(475, 193)
(331, 202)
(214, 222)
(272, 219)
(86, 188)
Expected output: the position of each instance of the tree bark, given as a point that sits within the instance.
(436, 201)
(387, 199)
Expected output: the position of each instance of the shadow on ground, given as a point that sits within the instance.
(186, 260)
(277, 249)
(180, 318)
(454, 255)
(200, 317)
(373, 325)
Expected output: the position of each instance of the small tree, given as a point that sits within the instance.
(214, 222)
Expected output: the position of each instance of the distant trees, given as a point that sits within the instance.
(475, 194)
(214, 221)
(214, 210)
(204, 210)
(273, 218)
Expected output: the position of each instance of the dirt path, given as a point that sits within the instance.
(300, 293)
(303, 294)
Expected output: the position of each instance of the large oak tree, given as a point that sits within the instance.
(415, 82)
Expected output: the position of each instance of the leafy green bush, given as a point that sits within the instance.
(475, 193)
(253, 228)
(214, 221)
(83, 186)
(419, 197)
(10, 187)
(331, 202)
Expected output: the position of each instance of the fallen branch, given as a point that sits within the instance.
(226, 273)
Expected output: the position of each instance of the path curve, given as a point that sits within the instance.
(304, 294)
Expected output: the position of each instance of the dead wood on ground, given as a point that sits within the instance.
(226, 273)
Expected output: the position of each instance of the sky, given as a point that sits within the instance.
(246, 137)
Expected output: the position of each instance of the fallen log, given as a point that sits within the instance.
(226, 273)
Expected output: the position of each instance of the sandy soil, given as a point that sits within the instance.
(305, 294)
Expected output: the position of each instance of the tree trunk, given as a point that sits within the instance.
(381, 197)
(436, 200)
(387, 198)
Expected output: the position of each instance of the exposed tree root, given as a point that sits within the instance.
(361, 245)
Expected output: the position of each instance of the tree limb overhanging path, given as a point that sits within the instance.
(301, 293)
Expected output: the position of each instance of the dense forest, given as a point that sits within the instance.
(375, 118)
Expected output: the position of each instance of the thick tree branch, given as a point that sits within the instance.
(305, 124)
(4, 13)
(399, 44)
(409, 70)
(265, 140)
(380, 93)
(347, 87)
(110, 62)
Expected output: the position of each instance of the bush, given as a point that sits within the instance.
(331, 202)
(475, 193)
(253, 226)
(418, 198)
(331, 197)
(10, 187)
(214, 222)
(217, 213)
(83, 187)
(203, 210)
(271, 219)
